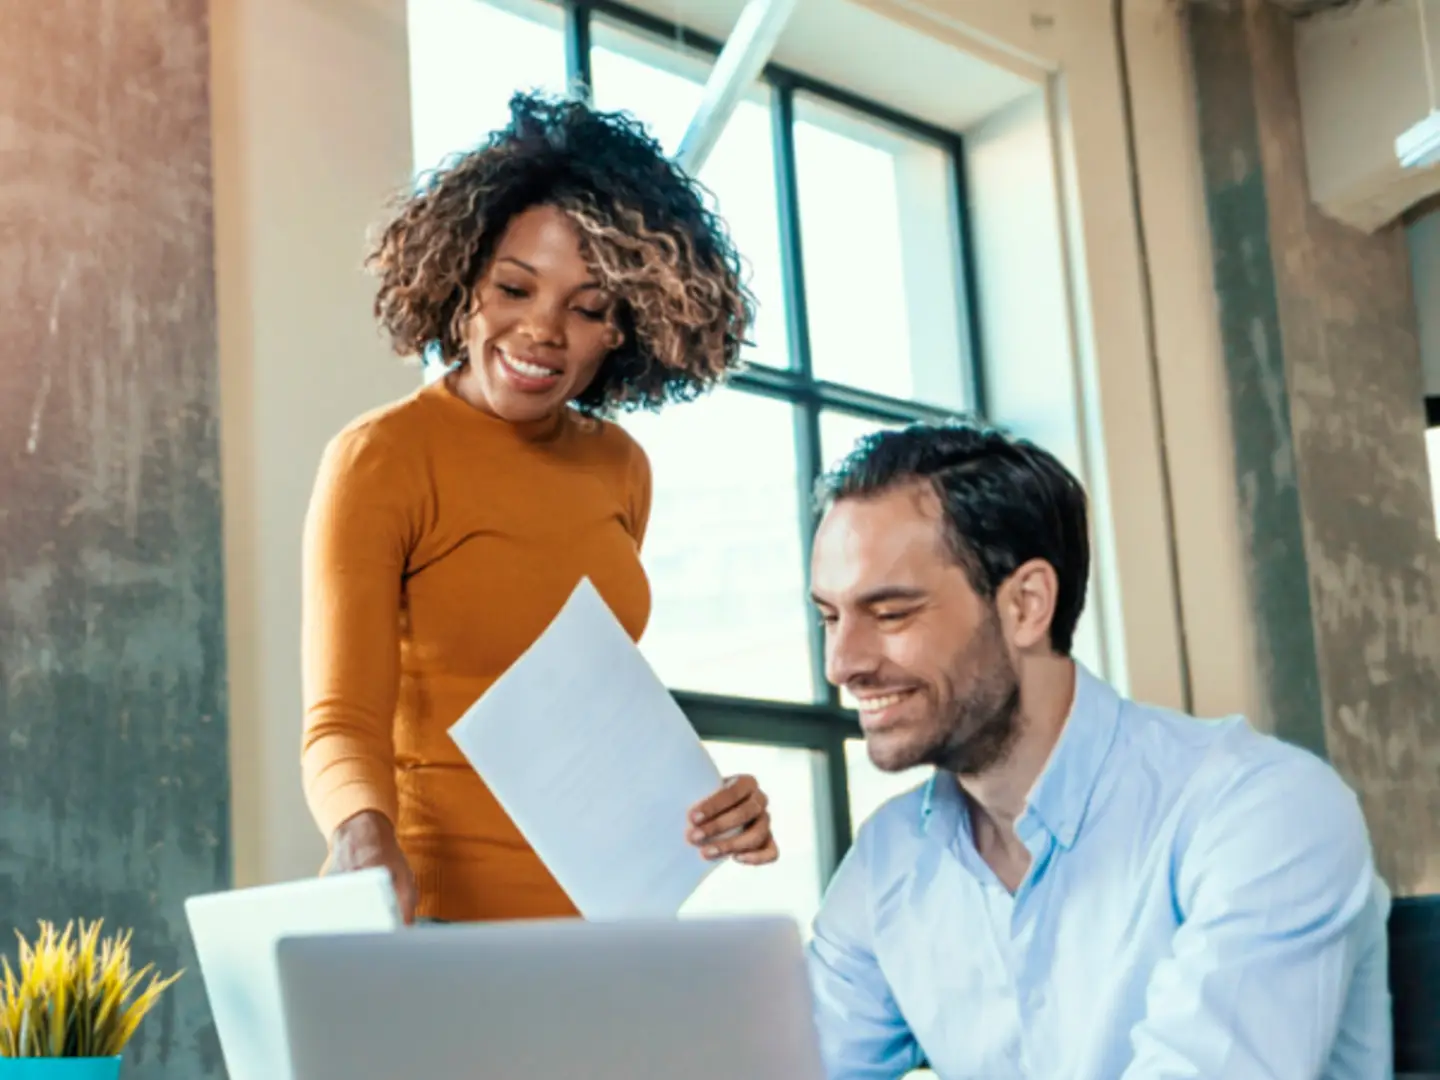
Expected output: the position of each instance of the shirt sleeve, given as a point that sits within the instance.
(862, 1034)
(1277, 892)
(358, 531)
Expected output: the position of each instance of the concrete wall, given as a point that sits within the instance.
(1325, 382)
(114, 770)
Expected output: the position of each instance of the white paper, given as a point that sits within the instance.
(594, 761)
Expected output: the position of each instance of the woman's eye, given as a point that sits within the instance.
(511, 291)
(592, 316)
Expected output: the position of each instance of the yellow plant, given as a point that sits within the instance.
(75, 995)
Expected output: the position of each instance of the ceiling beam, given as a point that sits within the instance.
(741, 60)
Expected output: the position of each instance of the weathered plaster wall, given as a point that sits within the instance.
(1246, 287)
(114, 772)
(1325, 389)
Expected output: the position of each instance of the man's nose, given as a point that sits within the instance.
(849, 652)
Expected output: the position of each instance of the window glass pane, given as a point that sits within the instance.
(869, 787)
(661, 86)
(881, 257)
(723, 550)
(791, 884)
(467, 57)
(656, 80)
(840, 431)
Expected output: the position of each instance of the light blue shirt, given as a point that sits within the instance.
(1201, 905)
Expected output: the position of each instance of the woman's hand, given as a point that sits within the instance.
(734, 822)
(366, 840)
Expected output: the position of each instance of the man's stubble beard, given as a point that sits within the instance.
(978, 730)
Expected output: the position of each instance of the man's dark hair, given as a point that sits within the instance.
(1005, 502)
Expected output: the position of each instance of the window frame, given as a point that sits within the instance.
(823, 726)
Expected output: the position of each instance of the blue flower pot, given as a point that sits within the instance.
(106, 1068)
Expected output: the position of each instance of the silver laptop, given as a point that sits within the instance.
(699, 999)
(235, 935)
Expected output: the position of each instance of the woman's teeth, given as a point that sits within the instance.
(534, 371)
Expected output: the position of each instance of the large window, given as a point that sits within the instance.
(851, 218)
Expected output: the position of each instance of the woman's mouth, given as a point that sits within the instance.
(528, 375)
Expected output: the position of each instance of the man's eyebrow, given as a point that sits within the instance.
(884, 594)
(890, 593)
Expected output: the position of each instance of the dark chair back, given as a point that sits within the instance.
(1415, 985)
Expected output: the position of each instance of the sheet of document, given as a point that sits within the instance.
(594, 761)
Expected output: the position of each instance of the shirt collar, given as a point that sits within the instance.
(1062, 792)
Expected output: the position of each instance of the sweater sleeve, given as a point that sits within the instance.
(359, 529)
(641, 489)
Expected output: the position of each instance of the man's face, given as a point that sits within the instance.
(908, 637)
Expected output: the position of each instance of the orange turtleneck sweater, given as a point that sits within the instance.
(439, 544)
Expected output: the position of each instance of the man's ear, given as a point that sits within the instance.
(1026, 602)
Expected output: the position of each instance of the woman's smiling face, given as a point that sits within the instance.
(540, 325)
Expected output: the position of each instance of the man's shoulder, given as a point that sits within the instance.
(888, 841)
(902, 812)
(1210, 754)
(1224, 772)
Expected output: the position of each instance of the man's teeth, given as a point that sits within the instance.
(535, 371)
(875, 704)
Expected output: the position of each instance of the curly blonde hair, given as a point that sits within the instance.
(644, 228)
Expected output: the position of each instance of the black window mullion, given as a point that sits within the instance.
(808, 727)
(789, 386)
(807, 412)
(832, 807)
(577, 48)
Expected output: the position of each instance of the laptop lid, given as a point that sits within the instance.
(704, 1000)
(235, 934)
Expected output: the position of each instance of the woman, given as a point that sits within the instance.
(564, 270)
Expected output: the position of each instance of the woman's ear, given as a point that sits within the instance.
(614, 338)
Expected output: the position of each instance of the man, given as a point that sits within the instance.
(1087, 888)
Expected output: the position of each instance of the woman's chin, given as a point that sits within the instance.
(516, 408)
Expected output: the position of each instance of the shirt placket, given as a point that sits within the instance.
(1003, 1059)
(1030, 973)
